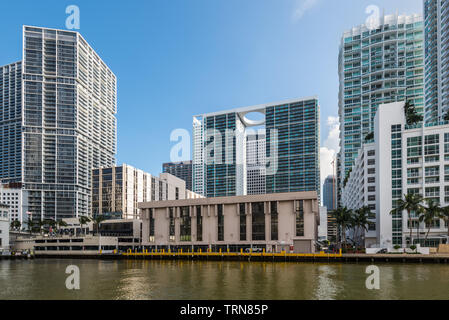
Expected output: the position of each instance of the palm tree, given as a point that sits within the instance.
(429, 214)
(361, 220)
(343, 219)
(15, 225)
(412, 117)
(31, 226)
(84, 220)
(99, 219)
(411, 202)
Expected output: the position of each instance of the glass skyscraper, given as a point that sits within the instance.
(436, 16)
(377, 65)
(61, 114)
(291, 144)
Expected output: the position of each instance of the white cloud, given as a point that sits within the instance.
(302, 7)
(330, 148)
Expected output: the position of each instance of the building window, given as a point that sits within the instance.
(242, 221)
(171, 225)
(300, 219)
(258, 224)
(151, 225)
(274, 220)
(176, 193)
(199, 224)
(220, 222)
(185, 225)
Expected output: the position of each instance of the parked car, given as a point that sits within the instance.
(384, 250)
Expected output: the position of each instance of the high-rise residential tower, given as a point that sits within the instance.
(57, 109)
(291, 145)
(436, 17)
(377, 65)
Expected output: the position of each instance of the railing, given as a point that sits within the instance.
(200, 253)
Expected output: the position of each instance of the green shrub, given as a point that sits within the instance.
(397, 247)
(413, 247)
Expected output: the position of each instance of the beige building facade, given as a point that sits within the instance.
(273, 222)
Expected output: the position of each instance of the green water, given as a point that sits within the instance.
(161, 280)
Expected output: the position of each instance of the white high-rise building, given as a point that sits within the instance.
(57, 116)
(402, 159)
(16, 198)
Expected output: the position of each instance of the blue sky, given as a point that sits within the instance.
(177, 58)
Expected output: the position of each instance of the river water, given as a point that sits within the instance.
(187, 280)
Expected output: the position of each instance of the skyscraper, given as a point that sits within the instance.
(377, 65)
(61, 117)
(329, 193)
(182, 170)
(436, 15)
(291, 141)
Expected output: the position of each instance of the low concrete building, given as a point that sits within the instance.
(4, 227)
(128, 232)
(273, 222)
(67, 245)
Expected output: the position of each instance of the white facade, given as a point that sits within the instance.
(407, 160)
(322, 228)
(17, 200)
(4, 227)
(255, 163)
(360, 188)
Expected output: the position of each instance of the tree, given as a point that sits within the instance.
(369, 136)
(411, 202)
(343, 219)
(84, 220)
(360, 218)
(431, 212)
(411, 116)
(31, 225)
(15, 225)
(446, 116)
(97, 220)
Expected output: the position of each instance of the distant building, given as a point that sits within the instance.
(4, 227)
(329, 193)
(182, 170)
(322, 229)
(13, 195)
(117, 190)
(273, 222)
(332, 228)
